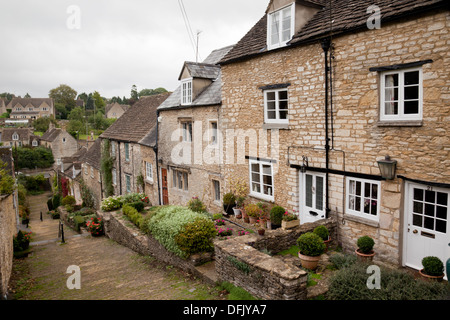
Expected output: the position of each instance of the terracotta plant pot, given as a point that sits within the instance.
(426, 276)
(309, 262)
(365, 256)
(261, 232)
(327, 243)
(252, 220)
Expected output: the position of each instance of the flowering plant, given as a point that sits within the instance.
(289, 216)
(243, 233)
(224, 232)
(21, 241)
(220, 222)
(112, 203)
(145, 200)
(95, 226)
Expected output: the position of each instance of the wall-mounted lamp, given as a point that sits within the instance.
(387, 168)
(304, 165)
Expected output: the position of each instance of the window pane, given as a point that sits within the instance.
(411, 78)
(418, 207)
(429, 223)
(319, 193)
(255, 167)
(412, 93)
(430, 196)
(441, 212)
(358, 203)
(267, 169)
(283, 105)
(271, 105)
(429, 210)
(271, 115)
(418, 194)
(268, 190)
(267, 180)
(374, 208)
(283, 115)
(283, 95)
(352, 188)
(309, 194)
(411, 107)
(351, 202)
(271, 96)
(358, 188)
(391, 80)
(367, 190)
(441, 226)
(442, 198)
(391, 108)
(255, 177)
(417, 220)
(256, 187)
(374, 191)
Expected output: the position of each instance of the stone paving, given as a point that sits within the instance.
(109, 271)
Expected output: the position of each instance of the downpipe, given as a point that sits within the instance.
(326, 45)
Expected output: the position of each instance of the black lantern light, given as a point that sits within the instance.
(387, 168)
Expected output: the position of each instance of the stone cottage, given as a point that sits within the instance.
(324, 91)
(188, 135)
(18, 137)
(91, 175)
(31, 108)
(60, 142)
(115, 110)
(129, 170)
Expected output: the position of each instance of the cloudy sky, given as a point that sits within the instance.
(110, 45)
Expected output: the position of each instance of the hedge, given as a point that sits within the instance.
(170, 222)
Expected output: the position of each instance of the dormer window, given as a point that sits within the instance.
(281, 27)
(15, 137)
(186, 92)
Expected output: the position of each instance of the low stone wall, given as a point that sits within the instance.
(241, 262)
(8, 229)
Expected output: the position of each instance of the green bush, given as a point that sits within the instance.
(229, 199)
(138, 205)
(365, 244)
(27, 157)
(310, 244)
(236, 293)
(340, 260)
(322, 232)
(196, 205)
(132, 214)
(50, 204)
(56, 201)
(68, 200)
(196, 236)
(276, 215)
(350, 283)
(167, 222)
(433, 266)
(252, 210)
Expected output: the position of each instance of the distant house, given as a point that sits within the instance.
(115, 110)
(61, 142)
(31, 108)
(3, 104)
(130, 170)
(70, 169)
(18, 137)
(91, 172)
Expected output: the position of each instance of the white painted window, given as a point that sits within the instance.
(186, 92)
(34, 143)
(401, 95)
(128, 182)
(280, 28)
(261, 179)
(276, 106)
(363, 198)
(186, 128)
(114, 176)
(15, 137)
(180, 180)
(149, 171)
(213, 133)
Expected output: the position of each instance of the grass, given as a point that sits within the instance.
(236, 293)
(293, 251)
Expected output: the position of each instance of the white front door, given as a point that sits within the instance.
(312, 197)
(427, 227)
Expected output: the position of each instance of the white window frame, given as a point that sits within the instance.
(213, 134)
(185, 129)
(271, 16)
(261, 194)
(277, 106)
(360, 213)
(113, 149)
(149, 171)
(128, 186)
(187, 91)
(114, 176)
(401, 116)
(127, 151)
(15, 137)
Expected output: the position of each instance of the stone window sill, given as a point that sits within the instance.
(415, 123)
(362, 220)
(272, 126)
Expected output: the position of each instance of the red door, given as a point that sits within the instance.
(165, 189)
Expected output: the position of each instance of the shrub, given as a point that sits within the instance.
(55, 214)
(350, 283)
(50, 204)
(322, 232)
(229, 199)
(365, 244)
(221, 232)
(340, 260)
(167, 222)
(217, 216)
(133, 214)
(68, 200)
(196, 236)
(310, 244)
(139, 205)
(276, 215)
(132, 197)
(95, 226)
(196, 205)
(21, 241)
(433, 266)
(111, 203)
(253, 210)
(289, 216)
(56, 201)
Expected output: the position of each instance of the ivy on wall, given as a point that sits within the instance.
(106, 168)
(86, 195)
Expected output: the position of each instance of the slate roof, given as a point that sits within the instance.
(7, 133)
(137, 121)
(35, 102)
(93, 155)
(348, 16)
(110, 106)
(51, 134)
(209, 69)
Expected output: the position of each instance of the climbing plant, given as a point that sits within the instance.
(86, 195)
(106, 168)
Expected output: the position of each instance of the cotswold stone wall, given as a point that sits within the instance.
(241, 262)
(359, 138)
(7, 231)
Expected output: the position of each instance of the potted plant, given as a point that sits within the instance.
(311, 247)
(253, 212)
(229, 202)
(323, 232)
(239, 205)
(261, 231)
(95, 226)
(433, 268)
(289, 221)
(276, 216)
(365, 248)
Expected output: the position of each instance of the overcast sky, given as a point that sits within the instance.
(119, 42)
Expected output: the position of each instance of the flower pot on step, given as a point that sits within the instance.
(309, 262)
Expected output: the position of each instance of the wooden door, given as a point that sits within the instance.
(165, 187)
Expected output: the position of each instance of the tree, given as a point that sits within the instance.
(27, 95)
(77, 113)
(134, 93)
(99, 101)
(64, 95)
(42, 124)
(151, 92)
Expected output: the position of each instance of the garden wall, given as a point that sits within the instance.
(8, 229)
(240, 261)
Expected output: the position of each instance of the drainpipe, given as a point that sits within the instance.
(326, 44)
(155, 149)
